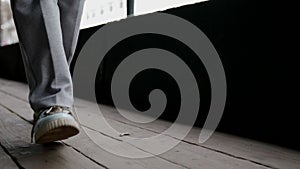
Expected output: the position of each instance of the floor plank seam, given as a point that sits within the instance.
(101, 132)
(161, 157)
(136, 147)
(7, 108)
(231, 155)
(91, 159)
(7, 93)
(15, 160)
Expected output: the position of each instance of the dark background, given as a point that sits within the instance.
(256, 42)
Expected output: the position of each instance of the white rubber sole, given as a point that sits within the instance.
(54, 128)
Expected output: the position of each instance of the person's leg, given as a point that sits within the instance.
(45, 58)
(70, 17)
(40, 35)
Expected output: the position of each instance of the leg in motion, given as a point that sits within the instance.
(45, 58)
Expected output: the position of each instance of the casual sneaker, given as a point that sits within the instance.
(53, 124)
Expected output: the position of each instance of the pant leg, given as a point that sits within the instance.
(40, 35)
(70, 17)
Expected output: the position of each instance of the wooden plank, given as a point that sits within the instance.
(5, 161)
(194, 157)
(249, 150)
(264, 153)
(189, 156)
(85, 145)
(15, 137)
(16, 105)
(110, 160)
(17, 89)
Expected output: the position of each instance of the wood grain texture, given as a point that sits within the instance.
(188, 155)
(5, 161)
(110, 160)
(245, 149)
(15, 137)
(220, 151)
(83, 144)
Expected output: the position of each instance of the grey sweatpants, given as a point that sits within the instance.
(48, 32)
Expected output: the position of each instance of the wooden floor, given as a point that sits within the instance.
(220, 151)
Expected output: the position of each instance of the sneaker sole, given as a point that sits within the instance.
(55, 127)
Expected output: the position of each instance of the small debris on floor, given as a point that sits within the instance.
(124, 134)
